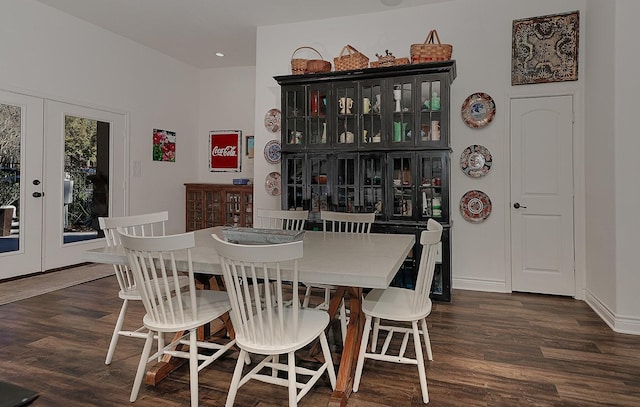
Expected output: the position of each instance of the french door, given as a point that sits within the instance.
(71, 170)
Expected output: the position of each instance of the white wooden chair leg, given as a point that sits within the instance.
(142, 367)
(374, 338)
(193, 366)
(420, 361)
(327, 357)
(293, 389)
(307, 296)
(235, 380)
(116, 332)
(363, 349)
(427, 340)
(160, 345)
(343, 320)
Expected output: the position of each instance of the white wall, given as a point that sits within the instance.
(50, 54)
(481, 39)
(627, 146)
(600, 128)
(227, 102)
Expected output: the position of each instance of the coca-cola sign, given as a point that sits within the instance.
(224, 150)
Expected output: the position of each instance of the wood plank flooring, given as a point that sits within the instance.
(490, 349)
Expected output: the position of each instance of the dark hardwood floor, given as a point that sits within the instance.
(489, 350)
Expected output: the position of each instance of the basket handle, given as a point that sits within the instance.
(299, 48)
(433, 34)
(350, 51)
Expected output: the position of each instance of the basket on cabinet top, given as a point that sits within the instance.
(350, 58)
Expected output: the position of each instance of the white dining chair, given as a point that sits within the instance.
(148, 224)
(397, 306)
(281, 219)
(171, 308)
(271, 328)
(339, 222)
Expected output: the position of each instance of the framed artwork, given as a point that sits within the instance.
(545, 49)
(224, 150)
(164, 145)
(250, 146)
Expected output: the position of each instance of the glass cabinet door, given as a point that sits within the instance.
(293, 182)
(318, 170)
(372, 124)
(401, 179)
(294, 114)
(431, 131)
(403, 112)
(347, 197)
(433, 191)
(371, 173)
(347, 114)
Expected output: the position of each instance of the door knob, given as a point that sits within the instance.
(518, 206)
(37, 194)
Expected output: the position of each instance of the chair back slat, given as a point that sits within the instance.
(156, 273)
(148, 224)
(429, 239)
(342, 222)
(261, 316)
(281, 219)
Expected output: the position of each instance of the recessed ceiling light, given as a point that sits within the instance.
(391, 3)
(219, 54)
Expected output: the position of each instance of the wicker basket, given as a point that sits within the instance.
(301, 66)
(396, 62)
(430, 50)
(352, 59)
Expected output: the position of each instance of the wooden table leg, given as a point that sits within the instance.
(346, 371)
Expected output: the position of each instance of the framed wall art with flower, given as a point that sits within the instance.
(164, 145)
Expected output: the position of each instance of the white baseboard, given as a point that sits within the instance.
(619, 323)
(480, 285)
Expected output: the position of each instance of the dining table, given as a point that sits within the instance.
(352, 262)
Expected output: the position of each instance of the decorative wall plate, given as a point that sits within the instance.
(272, 151)
(475, 161)
(272, 120)
(273, 183)
(478, 110)
(475, 206)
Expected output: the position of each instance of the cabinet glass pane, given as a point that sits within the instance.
(233, 204)
(431, 197)
(402, 187)
(370, 108)
(347, 114)
(402, 111)
(294, 118)
(293, 182)
(430, 114)
(248, 210)
(318, 186)
(372, 197)
(317, 117)
(347, 201)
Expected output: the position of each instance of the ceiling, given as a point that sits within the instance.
(192, 31)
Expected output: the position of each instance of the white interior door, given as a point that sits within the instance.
(65, 239)
(21, 171)
(542, 243)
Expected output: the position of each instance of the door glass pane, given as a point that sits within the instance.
(86, 178)
(10, 136)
